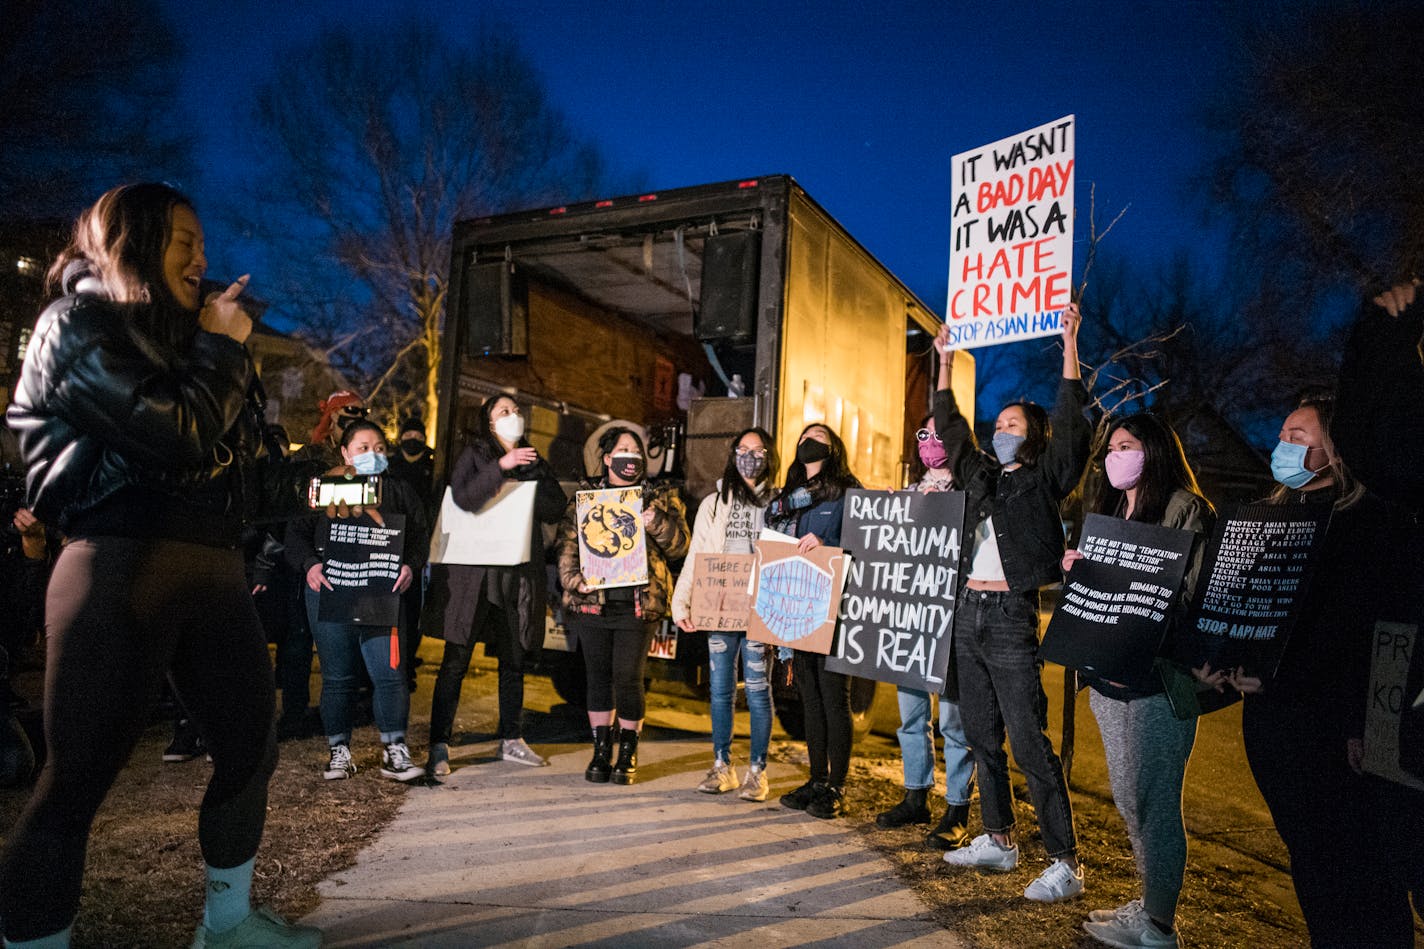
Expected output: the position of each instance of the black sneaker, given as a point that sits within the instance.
(798, 799)
(186, 745)
(829, 802)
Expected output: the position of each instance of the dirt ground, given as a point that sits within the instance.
(144, 869)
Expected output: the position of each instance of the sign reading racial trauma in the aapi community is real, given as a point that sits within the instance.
(795, 596)
(720, 584)
(1011, 259)
(1254, 575)
(362, 564)
(1117, 601)
(1391, 695)
(897, 614)
(613, 546)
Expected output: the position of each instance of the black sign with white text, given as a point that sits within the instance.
(362, 564)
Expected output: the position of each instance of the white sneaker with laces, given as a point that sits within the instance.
(984, 853)
(1133, 930)
(1059, 882)
(397, 765)
(1126, 909)
(755, 786)
(722, 777)
(340, 764)
(517, 751)
(262, 927)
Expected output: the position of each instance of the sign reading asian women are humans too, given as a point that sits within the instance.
(1011, 259)
(898, 609)
(794, 595)
(363, 561)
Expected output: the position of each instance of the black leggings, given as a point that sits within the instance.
(456, 662)
(120, 613)
(825, 707)
(614, 659)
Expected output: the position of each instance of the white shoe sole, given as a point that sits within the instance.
(441, 769)
(409, 774)
(538, 763)
(336, 775)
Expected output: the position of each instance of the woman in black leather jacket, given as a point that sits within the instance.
(140, 419)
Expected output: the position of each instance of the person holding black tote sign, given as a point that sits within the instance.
(1147, 479)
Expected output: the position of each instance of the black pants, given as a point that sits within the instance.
(120, 612)
(825, 704)
(614, 662)
(491, 624)
(1340, 845)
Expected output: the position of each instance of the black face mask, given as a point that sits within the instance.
(627, 466)
(412, 446)
(811, 451)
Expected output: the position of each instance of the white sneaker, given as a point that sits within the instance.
(755, 786)
(396, 763)
(340, 764)
(1104, 915)
(1131, 930)
(721, 778)
(984, 853)
(1058, 882)
(515, 749)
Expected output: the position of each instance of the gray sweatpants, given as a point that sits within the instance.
(1147, 748)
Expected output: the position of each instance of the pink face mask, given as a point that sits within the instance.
(932, 453)
(1124, 467)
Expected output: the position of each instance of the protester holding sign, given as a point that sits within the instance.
(344, 647)
(615, 625)
(728, 522)
(500, 606)
(1012, 517)
(1308, 720)
(809, 507)
(1147, 479)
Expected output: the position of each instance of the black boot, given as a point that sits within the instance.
(626, 770)
(601, 767)
(953, 830)
(912, 810)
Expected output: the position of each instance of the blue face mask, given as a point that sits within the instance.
(1006, 446)
(1288, 465)
(370, 463)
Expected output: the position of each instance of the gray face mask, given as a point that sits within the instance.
(751, 466)
(1006, 447)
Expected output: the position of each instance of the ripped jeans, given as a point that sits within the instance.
(722, 652)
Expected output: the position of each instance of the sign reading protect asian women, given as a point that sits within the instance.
(362, 564)
(1011, 255)
(613, 546)
(794, 595)
(897, 614)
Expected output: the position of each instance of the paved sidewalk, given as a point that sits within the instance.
(504, 854)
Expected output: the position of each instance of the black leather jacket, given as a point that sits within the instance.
(111, 397)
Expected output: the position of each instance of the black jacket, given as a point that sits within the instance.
(119, 402)
(1024, 502)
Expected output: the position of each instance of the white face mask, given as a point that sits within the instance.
(509, 427)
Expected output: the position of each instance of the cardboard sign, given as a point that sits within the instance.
(1393, 646)
(1254, 575)
(897, 615)
(1011, 259)
(497, 535)
(362, 564)
(795, 596)
(613, 546)
(720, 585)
(1117, 602)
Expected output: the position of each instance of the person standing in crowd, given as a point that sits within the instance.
(1012, 500)
(139, 414)
(414, 463)
(728, 522)
(1147, 479)
(614, 627)
(1309, 718)
(809, 508)
(503, 607)
(344, 648)
(917, 744)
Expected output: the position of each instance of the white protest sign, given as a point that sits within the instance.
(1011, 258)
(498, 534)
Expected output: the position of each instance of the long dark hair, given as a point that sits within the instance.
(1164, 470)
(485, 437)
(733, 487)
(122, 238)
(1039, 431)
(835, 476)
(608, 439)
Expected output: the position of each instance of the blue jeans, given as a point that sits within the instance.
(917, 749)
(722, 651)
(341, 648)
(996, 644)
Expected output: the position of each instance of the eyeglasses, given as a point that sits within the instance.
(754, 452)
(925, 435)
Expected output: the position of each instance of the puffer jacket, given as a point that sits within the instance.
(104, 403)
(667, 540)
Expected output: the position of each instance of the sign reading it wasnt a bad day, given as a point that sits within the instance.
(1011, 257)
